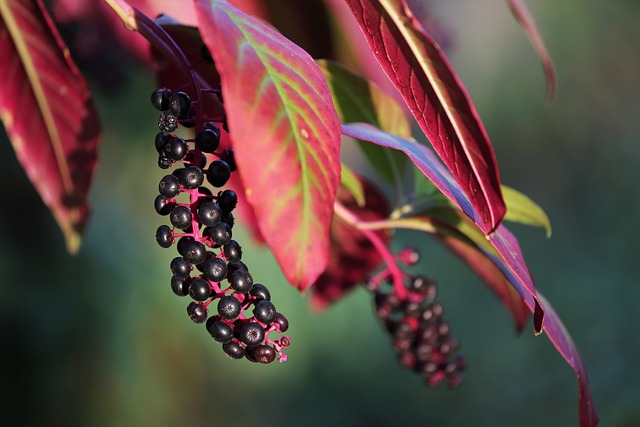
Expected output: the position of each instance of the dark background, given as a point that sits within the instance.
(100, 340)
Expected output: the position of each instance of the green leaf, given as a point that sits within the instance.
(358, 100)
(349, 180)
(523, 210)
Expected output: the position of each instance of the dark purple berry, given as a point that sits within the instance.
(176, 148)
(164, 236)
(191, 177)
(282, 322)
(220, 234)
(260, 292)
(179, 286)
(424, 286)
(197, 312)
(233, 349)
(262, 353)
(208, 141)
(228, 200)
(241, 281)
(167, 122)
(183, 242)
(209, 214)
(232, 251)
(265, 311)
(219, 330)
(229, 307)
(218, 173)
(162, 139)
(180, 267)
(199, 289)
(231, 160)
(164, 162)
(215, 269)
(195, 252)
(181, 217)
(160, 98)
(179, 104)
(233, 266)
(169, 186)
(196, 159)
(228, 219)
(162, 206)
(252, 334)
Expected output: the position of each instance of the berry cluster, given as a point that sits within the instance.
(210, 265)
(421, 336)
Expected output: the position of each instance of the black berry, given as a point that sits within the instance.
(169, 186)
(227, 200)
(195, 252)
(241, 281)
(197, 312)
(265, 311)
(179, 104)
(191, 177)
(232, 251)
(208, 141)
(219, 330)
(179, 286)
(229, 307)
(163, 206)
(176, 148)
(220, 234)
(162, 139)
(183, 242)
(262, 353)
(233, 350)
(218, 173)
(167, 122)
(160, 99)
(180, 267)
(252, 334)
(181, 217)
(164, 236)
(215, 269)
(231, 160)
(282, 322)
(164, 162)
(199, 289)
(209, 214)
(260, 292)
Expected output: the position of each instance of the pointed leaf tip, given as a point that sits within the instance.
(285, 133)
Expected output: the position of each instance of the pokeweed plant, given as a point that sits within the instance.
(329, 228)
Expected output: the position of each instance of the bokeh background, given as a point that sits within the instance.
(100, 340)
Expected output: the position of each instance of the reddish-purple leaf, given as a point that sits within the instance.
(437, 99)
(48, 113)
(524, 18)
(502, 248)
(285, 133)
(353, 256)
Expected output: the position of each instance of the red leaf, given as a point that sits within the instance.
(353, 256)
(48, 113)
(285, 132)
(524, 18)
(437, 99)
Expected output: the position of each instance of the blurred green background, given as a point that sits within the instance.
(100, 340)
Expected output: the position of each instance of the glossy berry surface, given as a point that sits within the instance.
(228, 200)
(215, 269)
(265, 311)
(195, 252)
(164, 236)
(179, 104)
(179, 286)
(282, 322)
(162, 139)
(232, 251)
(180, 267)
(241, 281)
(229, 307)
(252, 334)
(208, 141)
(263, 353)
(192, 177)
(167, 122)
(233, 350)
(209, 214)
(219, 330)
(199, 290)
(218, 173)
(220, 234)
(160, 99)
(176, 148)
(162, 205)
(169, 186)
(260, 291)
(181, 217)
(197, 312)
